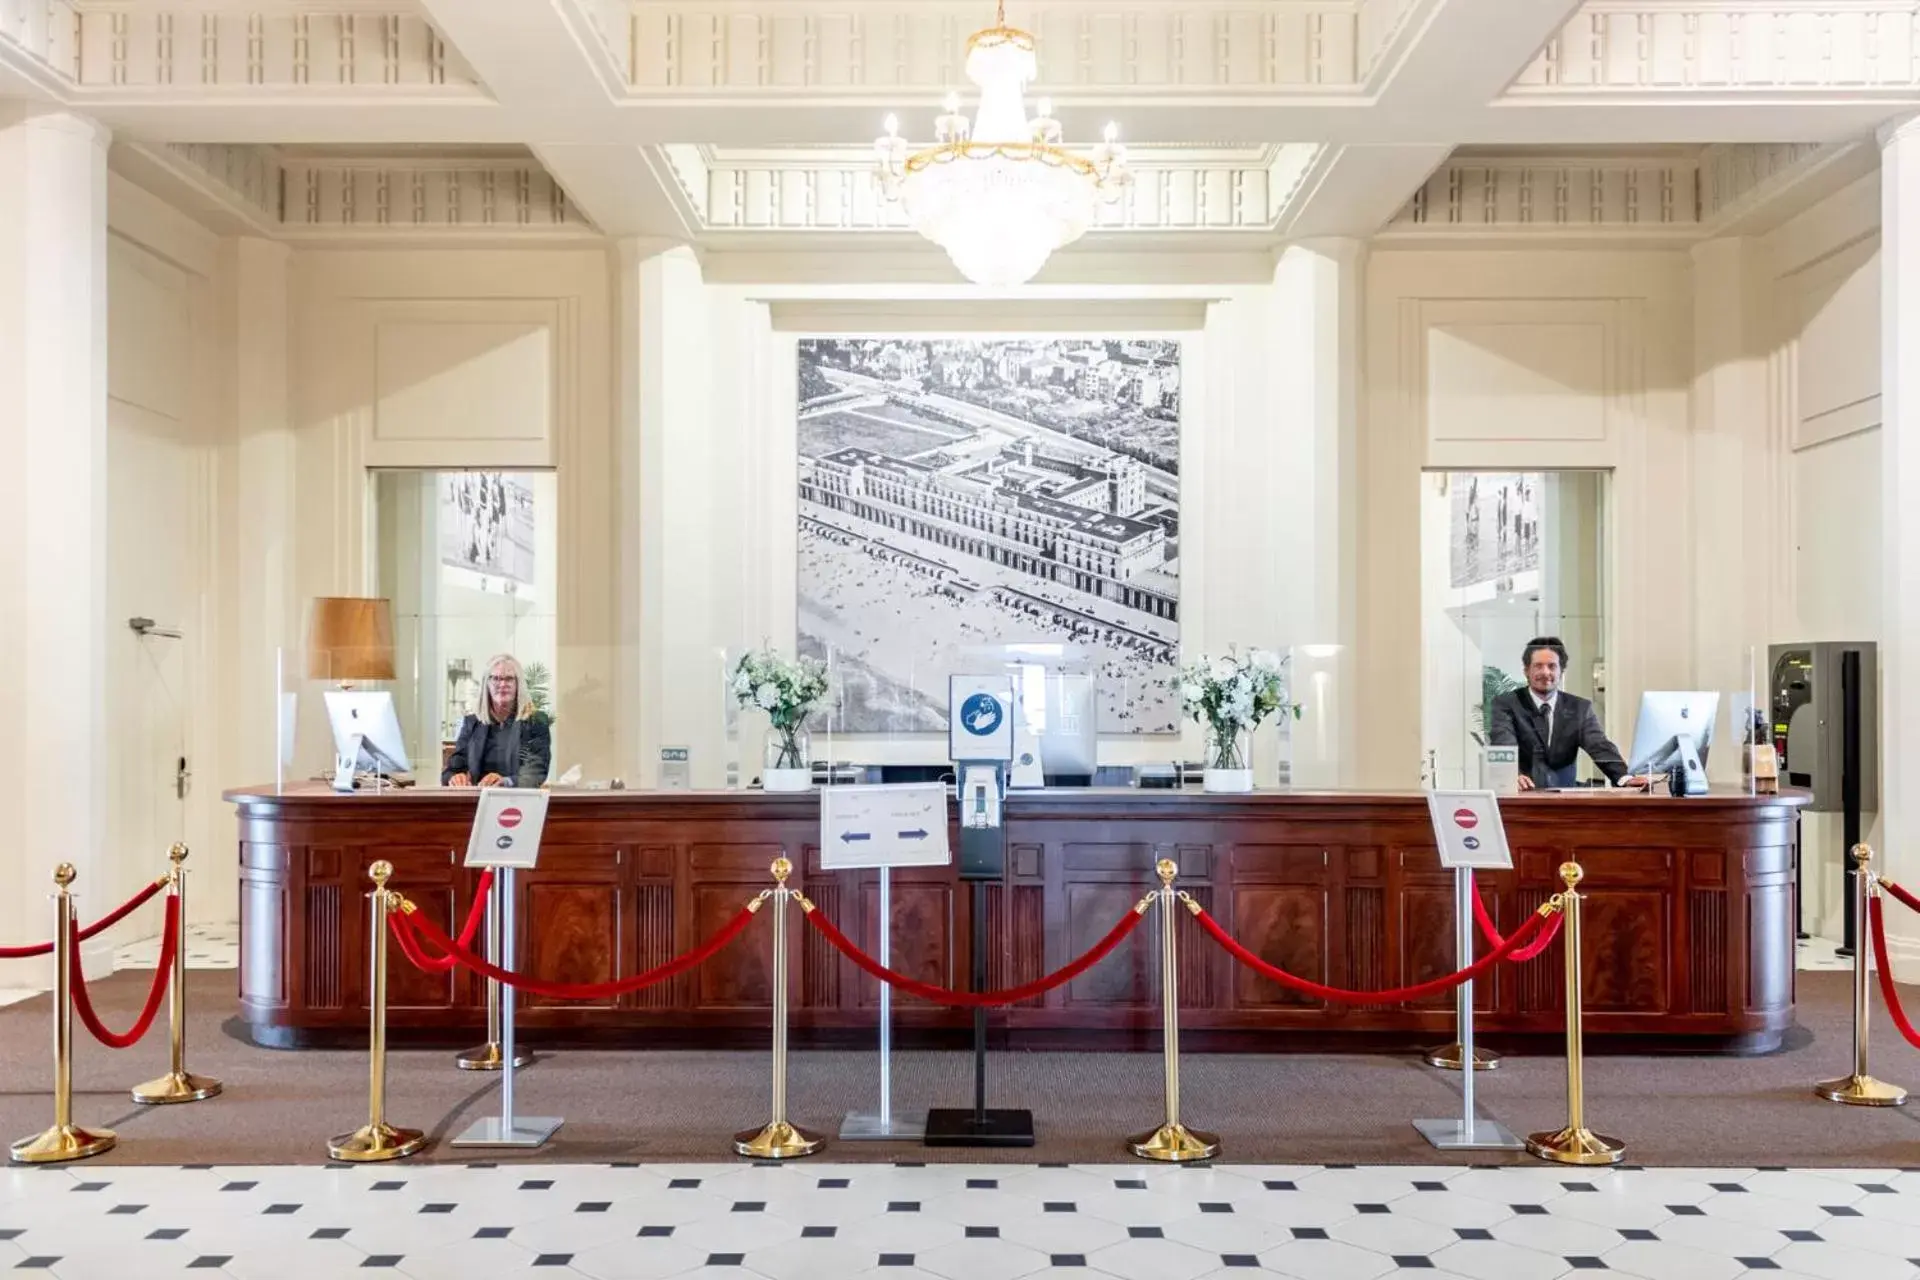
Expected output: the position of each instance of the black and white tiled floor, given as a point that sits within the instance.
(958, 1222)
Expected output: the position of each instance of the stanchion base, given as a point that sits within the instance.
(374, 1142)
(527, 1131)
(1175, 1144)
(964, 1127)
(777, 1141)
(176, 1086)
(488, 1058)
(63, 1142)
(1862, 1091)
(1457, 1135)
(866, 1126)
(1576, 1146)
(1447, 1058)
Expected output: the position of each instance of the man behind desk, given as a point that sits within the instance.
(1551, 726)
(502, 743)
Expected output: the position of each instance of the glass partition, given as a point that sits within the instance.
(1507, 557)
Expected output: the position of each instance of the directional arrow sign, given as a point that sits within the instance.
(884, 826)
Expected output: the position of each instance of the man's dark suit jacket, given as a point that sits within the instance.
(529, 751)
(1516, 723)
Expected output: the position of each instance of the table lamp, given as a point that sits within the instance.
(350, 638)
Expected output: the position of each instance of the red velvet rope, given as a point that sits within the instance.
(1492, 935)
(411, 930)
(976, 999)
(1887, 990)
(83, 1004)
(1906, 899)
(1395, 995)
(105, 922)
(475, 913)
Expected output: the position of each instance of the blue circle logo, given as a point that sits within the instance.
(1471, 842)
(981, 714)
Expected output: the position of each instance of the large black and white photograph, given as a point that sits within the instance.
(1495, 526)
(486, 525)
(960, 494)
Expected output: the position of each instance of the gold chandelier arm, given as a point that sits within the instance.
(1041, 152)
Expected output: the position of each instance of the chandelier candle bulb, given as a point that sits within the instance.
(999, 193)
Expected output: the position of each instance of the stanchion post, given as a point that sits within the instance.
(1469, 1132)
(778, 1139)
(1172, 1142)
(1448, 1057)
(65, 1140)
(487, 1057)
(1860, 1089)
(1575, 1144)
(377, 1140)
(179, 1084)
(507, 1129)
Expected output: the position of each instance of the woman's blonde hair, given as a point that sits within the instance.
(483, 699)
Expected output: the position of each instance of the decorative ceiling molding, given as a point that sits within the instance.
(129, 46)
(837, 189)
(246, 177)
(1686, 195)
(1094, 45)
(1618, 46)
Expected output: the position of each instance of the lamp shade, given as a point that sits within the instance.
(350, 638)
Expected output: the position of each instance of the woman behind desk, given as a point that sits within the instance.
(500, 743)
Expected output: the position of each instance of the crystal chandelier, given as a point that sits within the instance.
(999, 193)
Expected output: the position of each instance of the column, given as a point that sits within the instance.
(1732, 480)
(1314, 405)
(1900, 528)
(53, 429)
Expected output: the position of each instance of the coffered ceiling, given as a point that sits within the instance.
(747, 124)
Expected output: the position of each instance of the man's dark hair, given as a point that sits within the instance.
(1544, 642)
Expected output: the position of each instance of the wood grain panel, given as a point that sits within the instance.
(1540, 984)
(922, 937)
(1197, 952)
(1016, 939)
(322, 968)
(820, 965)
(1366, 949)
(1278, 861)
(1131, 974)
(1286, 927)
(745, 979)
(1427, 946)
(411, 988)
(1127, 858)
(1624, 963)
(571, 934)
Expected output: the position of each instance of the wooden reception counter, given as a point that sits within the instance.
(1689, 918)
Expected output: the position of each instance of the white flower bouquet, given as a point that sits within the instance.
(1230, 696)
(788, 691)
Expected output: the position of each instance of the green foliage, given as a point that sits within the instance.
(1493, 683)
(539, 690)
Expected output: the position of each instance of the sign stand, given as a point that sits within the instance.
(883, 827)
(506, 837)
(1469, 833)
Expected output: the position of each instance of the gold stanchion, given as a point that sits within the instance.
(179, 1084)
(1860, 1089)
(378, 1140)
(1575, 1144)
(1172, 1142)
(65, 1140)
(777, 1139)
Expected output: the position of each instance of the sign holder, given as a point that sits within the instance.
(883, 827)
(506, 837)
(1468, 831)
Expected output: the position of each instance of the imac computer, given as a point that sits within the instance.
(1674, 730)
(366, 731)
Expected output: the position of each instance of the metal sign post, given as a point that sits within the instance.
(884, 827)
(506, 837)
(1468, 831)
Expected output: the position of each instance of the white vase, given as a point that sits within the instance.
(1227, 780)
(787, 764)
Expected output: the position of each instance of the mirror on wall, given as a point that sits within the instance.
(469, 560)
(1505, 556)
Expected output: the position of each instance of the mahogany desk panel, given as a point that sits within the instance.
(1689, 918)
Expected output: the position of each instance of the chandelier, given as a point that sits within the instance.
(999, 193)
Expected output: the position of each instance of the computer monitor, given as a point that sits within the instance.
(1666, 716)
(369, 717)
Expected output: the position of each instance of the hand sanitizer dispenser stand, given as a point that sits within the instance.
(980, 739)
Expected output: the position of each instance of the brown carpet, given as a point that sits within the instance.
(280, 1107)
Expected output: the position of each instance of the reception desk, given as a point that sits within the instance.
(1689, 918)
